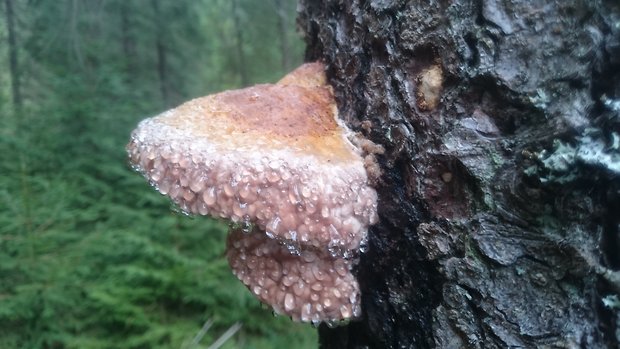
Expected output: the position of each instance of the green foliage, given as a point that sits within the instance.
(90, 255)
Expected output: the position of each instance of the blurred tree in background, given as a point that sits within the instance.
(90, 257)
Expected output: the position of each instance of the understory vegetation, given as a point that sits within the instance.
(90, 255)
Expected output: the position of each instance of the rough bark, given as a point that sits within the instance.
(13, 62)
(499, 204)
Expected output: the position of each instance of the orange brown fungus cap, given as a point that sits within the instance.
(272, 155)
(308, 286)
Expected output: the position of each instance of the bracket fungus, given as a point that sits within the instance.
(276, 157)
(309, 285)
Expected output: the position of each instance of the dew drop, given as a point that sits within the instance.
(272, 177)
(197, 184)
(228, 190)
(363, 248)
(336, 293)
(331, 323)
(246, 225)
(345, 310)
(209, 196)
(325, 212)
(273, 225)
(340, 267)
(305, 312)
(318, 273)
(294, 194)
(289, 302)
(305, 192)
(327, 302)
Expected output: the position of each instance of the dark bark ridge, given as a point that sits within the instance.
(500, 222)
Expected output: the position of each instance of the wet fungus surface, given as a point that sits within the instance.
(276, 157)
(307, 285)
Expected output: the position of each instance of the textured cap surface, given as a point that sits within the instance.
(275, 155)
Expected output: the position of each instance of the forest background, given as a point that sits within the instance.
(90, 255)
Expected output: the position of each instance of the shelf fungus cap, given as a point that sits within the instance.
(309, 286)
(275, 155)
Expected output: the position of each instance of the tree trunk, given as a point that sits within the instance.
(127, 38)
(500, 196)
(243, 70)
(13, 62)
(283, 32)
(74, 41)
(160, 48)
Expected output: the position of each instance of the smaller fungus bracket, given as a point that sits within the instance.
(307, 285)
